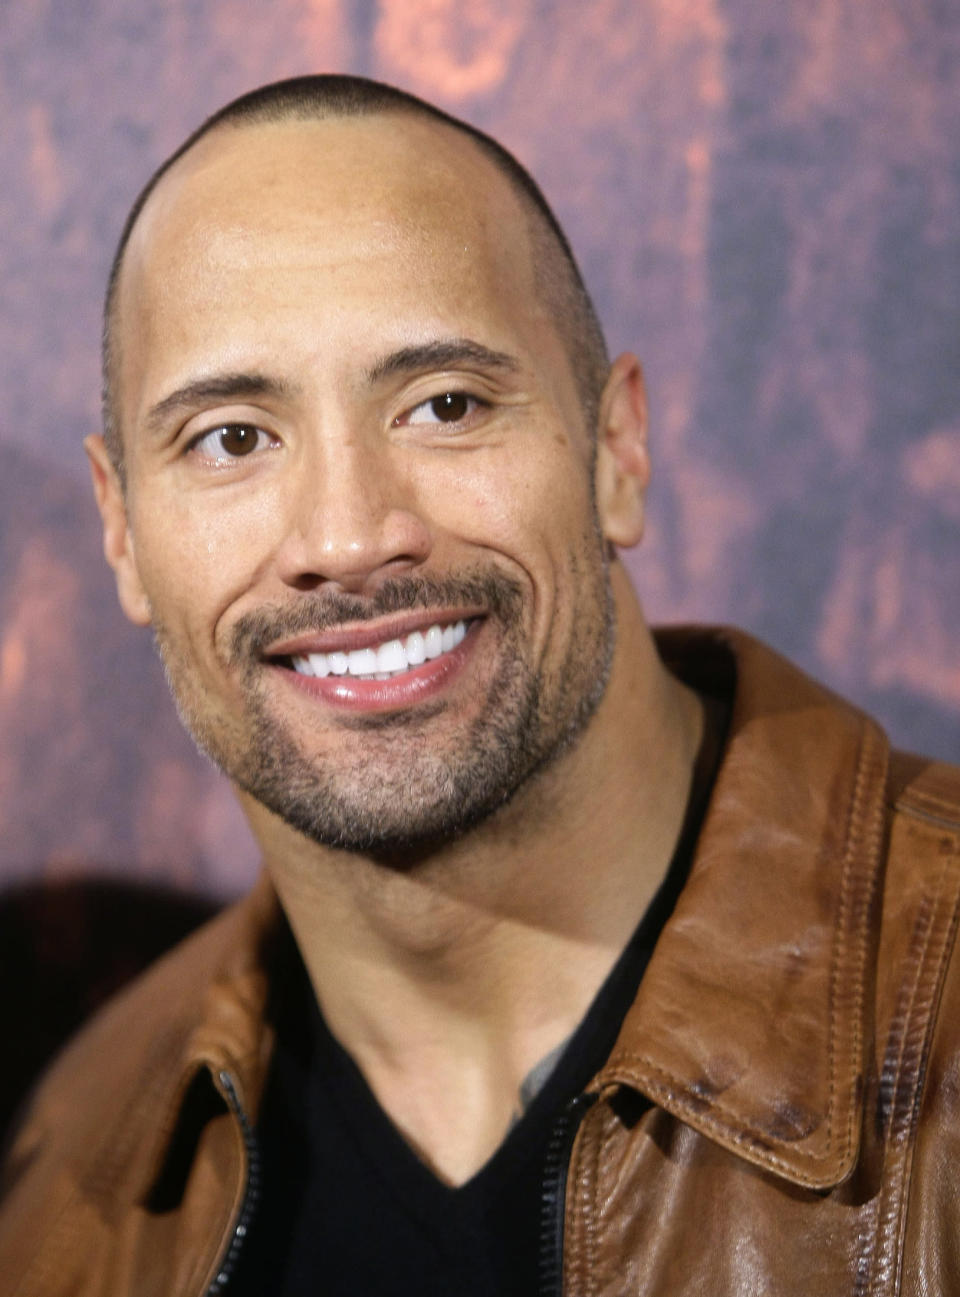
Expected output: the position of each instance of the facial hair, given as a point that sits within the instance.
(402, 794)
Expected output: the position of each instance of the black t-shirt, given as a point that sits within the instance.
(348, 1210)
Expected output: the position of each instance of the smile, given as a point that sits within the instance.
(383, 661)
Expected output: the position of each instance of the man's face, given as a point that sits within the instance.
(359, 512)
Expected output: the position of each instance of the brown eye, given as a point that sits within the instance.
(230, 441)
(450, 407)
(238, 438)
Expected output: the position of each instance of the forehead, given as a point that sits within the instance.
(320, 207)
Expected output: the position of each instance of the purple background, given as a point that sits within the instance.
(765, 199)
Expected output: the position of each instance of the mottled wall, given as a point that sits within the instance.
(766, 201)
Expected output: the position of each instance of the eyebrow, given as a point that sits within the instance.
(442, 354)
(215, 387)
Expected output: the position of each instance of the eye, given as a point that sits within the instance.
(231, 441)
(449, 407)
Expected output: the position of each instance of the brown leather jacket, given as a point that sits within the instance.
(780, 1115)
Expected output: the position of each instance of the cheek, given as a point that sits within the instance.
(196, 556)
(534, 508)
(537, 521)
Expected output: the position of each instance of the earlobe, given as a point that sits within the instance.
(623, 464)
(117, 539)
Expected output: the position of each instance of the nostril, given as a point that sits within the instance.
(306, 581)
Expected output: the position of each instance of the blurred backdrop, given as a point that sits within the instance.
(765, 199)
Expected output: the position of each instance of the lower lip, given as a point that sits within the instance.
(419, 684)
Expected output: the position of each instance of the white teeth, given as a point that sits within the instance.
(363, 662)
(391, 657)
(387, 659)
(416, 652)
(320, 664)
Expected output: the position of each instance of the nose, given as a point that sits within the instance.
(355, 520)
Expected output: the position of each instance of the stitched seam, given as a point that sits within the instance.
(726, 1116)
(718, 1125)
(892, 1210)
(887, 1207)
(855, 832)
(865, 832)
(591, 1197)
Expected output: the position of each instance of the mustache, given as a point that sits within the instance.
(318, 610)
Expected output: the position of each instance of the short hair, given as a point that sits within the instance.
(329, 96)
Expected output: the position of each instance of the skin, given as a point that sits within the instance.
(310, 254)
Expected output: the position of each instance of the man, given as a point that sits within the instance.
(364, 470)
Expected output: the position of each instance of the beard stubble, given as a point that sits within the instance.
(400, 794)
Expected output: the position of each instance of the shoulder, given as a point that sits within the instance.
(177, 994)
(116, 1085)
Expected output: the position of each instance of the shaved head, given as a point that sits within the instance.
(557, 279)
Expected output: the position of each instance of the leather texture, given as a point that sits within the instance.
(780, 1114)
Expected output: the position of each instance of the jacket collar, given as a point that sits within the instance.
(750, 1021)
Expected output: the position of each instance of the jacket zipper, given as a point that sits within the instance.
(553, 1197)
(251, 1188)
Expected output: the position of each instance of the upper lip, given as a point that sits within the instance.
(366, 634)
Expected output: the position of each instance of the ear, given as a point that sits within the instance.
(623, 465)
(117, 537)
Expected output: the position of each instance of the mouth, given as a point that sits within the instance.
(407, 662)
(385, 659)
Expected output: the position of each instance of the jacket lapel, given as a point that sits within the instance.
(750, 1021)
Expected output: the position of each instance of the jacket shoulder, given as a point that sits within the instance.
(126, 1069)
(171, 998)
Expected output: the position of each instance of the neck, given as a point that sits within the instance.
(456, 977)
